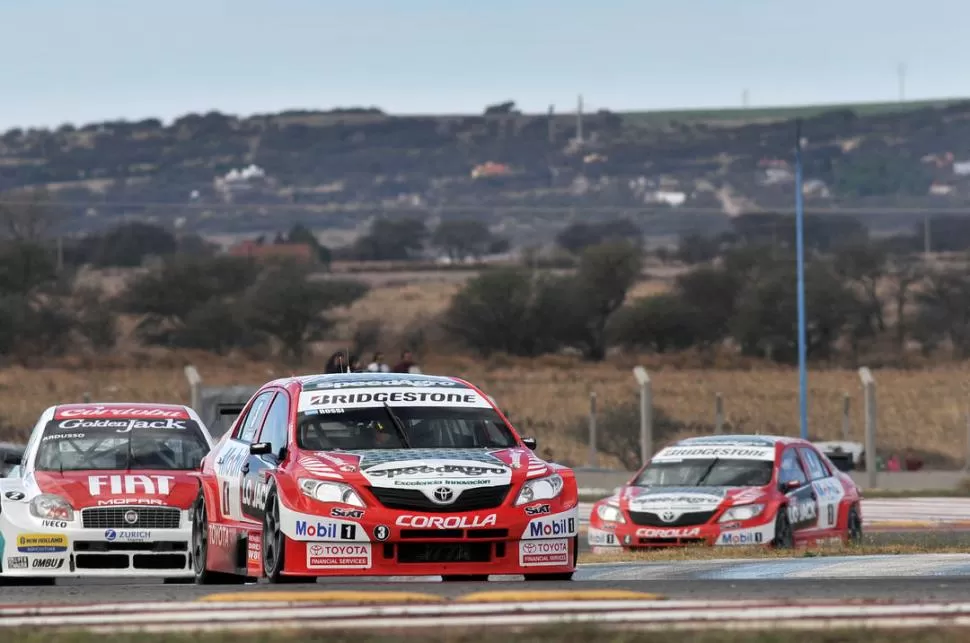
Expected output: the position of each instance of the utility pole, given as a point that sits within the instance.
(926, 237)
(552, 124)
(579, 119)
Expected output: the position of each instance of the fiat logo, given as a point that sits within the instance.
(443, 495)
(131, 517)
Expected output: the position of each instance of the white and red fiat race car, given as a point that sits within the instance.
(103, 490)
(375, 474)
(730, 490)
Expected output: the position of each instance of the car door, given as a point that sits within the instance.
(828, 490)
(264, 457)
(802, 498)
(234, 454)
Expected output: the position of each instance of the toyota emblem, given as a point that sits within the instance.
(668, 516)
(443, 495)
(131, 517)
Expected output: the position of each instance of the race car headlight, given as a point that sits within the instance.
(49, 506)
(609, 513)
(545, 488)
(742, 512)
(330, 492)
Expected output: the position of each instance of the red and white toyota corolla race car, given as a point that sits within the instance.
(730, 490)
(104, 490)
(380, 474)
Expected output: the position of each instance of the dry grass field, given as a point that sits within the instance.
(923, 409)
(919, 409)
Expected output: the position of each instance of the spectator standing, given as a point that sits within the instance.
(337, 363)
(407, 364)
(378, 365)
(355, 364)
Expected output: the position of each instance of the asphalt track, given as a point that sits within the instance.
(900, 577)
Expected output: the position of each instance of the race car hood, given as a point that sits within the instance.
(683, 499)
(421, 467)
(102, 488)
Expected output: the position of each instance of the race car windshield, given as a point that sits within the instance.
(719, 473)
(424, 427)
(82, 444)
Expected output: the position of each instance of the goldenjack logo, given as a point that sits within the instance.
(121, 426)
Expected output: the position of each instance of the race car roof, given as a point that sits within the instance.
(377, 380)
(120, 410)
(739, 440)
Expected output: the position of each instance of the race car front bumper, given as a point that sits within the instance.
(605, 537)
(425, 544)
(30, 547)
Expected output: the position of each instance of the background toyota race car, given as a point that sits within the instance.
(730, 490)
(380, 474)
(104, 490)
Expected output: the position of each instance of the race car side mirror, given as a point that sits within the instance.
(260, 448)
(790, 485)
(529, 442)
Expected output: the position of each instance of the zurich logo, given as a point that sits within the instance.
(131, 517)
(668, 516)
(443, 495)
(110, 534)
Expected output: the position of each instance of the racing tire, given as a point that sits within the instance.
(200, 551)
(458, 578)
(562, 576)
(784, 534)
(274, 545)
(854, 526)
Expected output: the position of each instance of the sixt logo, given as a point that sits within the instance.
(537, 510)
(561, 527)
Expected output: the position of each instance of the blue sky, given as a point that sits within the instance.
(80, 61)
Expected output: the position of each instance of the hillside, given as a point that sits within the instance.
(523, 174)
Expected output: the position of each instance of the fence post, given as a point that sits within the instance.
(195, 386)
(869, 387)
(966, 466)
(646, 413)
(718, 414)
(87, 398)
(845, 417)
(592, 431)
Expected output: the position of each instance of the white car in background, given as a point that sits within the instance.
(103, 490)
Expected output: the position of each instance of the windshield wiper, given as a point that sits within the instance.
(129, 456)
(398, 424)
(706, 473)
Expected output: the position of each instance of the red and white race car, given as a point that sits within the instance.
(103, 490)
(730, 490)
(380, 474)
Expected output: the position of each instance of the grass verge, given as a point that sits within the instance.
(571, 634)
(714, 553)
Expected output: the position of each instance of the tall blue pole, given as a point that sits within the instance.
(800, 254)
